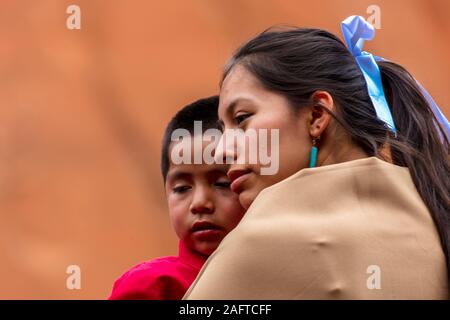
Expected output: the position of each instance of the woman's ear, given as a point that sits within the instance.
(319, 118)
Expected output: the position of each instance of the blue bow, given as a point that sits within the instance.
(356, 30)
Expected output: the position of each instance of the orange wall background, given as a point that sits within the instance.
(82, 114)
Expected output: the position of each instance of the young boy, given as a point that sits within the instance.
(202, 211)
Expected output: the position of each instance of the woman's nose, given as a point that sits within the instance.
(202, 201)
(225, 151)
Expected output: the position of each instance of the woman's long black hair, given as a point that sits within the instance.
(296, 62)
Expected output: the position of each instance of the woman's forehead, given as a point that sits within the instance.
(239, 86)
(238, 79)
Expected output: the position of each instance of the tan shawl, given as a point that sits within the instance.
(353, 230)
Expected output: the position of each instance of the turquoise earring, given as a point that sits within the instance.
(313, 155)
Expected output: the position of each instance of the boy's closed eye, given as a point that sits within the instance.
(222, 184)
(181, 189)
(218, 184)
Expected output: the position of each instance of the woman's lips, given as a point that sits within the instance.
(237, 178)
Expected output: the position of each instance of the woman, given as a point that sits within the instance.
(360, 205)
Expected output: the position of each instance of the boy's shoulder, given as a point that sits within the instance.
(151, 267)
(152, 279)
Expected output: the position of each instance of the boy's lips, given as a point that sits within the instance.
(203, 225)
(205, 230)
(237, 177)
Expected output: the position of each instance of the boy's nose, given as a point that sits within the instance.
(202, 202)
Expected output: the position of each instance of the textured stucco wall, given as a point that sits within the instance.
(82, 114)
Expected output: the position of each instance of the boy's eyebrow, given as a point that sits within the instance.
(213, 170)
(178, 174)
(218, 171)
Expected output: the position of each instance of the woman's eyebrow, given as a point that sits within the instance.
(237, 101)
(233, 104)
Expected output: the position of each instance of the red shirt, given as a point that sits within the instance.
(166, 278)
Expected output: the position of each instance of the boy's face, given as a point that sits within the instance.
(203, 209)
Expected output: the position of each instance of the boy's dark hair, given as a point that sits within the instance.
(204, 110)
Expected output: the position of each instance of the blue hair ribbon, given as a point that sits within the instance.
(356, 30)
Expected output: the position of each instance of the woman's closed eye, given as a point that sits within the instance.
(241, 117)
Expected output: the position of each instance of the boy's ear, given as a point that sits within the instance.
(318, 117)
